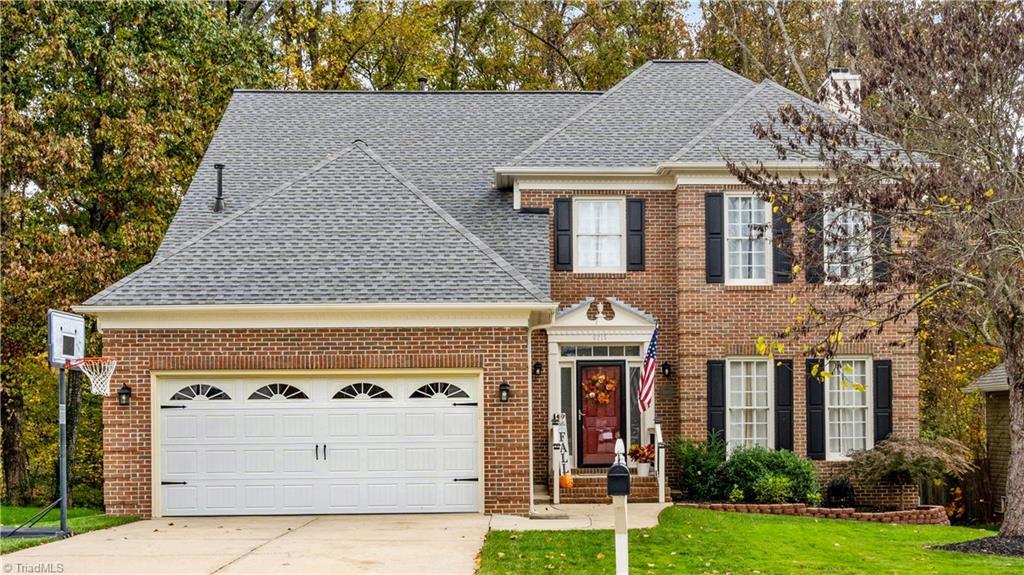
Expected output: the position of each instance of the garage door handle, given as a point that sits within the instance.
(466, 479)
(316, 449)
(473, 403)
(174, 483)
(172, 407)
(325, 452)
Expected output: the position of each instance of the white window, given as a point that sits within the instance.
(847, 245)
(600, 235)
(747, 240)
(748, 403)
(847, 407)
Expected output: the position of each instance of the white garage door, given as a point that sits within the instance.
(343, 445)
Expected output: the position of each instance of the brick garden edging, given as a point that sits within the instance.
(922, 515)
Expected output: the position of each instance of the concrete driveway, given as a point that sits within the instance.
(446, 543)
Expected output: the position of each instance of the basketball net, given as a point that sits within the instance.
(99, 370)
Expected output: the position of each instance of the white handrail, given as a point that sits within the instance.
(659, 454)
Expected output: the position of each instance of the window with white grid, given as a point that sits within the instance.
(600, 235)
(747, 240)
(847, 407)
(748, 403)
(847, 245)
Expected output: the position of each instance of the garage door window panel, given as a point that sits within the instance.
(362, 391)
(439, 390)
(200, 391)
(278, 391)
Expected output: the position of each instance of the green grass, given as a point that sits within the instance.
(80, 520)
(700, 541)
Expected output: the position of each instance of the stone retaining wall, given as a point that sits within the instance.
(922, 515)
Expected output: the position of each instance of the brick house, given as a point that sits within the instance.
(378, 302)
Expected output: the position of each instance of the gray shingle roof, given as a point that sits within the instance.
(670, 111)
(447, 143)
(351, 229)
(643, 120)
(444, 148)
(996, 379)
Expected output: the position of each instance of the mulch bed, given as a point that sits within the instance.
(1010, 546)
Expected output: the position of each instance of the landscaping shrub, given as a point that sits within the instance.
(700, 464)
(773, 489)
(746, 466)
(908, 460)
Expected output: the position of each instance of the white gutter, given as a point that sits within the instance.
(98, 309)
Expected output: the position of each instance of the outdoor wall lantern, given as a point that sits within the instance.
(538, 368)
(666, 369)
(124, 395)
(504, 391)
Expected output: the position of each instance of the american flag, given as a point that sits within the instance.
(646, 391)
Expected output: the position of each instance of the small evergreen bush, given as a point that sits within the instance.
(700, 464)
(773, 489)
(746, 466)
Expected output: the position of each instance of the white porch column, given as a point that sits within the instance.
(554, 394)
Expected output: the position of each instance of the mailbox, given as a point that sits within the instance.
(618, 479)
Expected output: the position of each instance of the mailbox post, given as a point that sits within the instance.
(618, 489)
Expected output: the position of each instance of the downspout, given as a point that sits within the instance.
(529, 399)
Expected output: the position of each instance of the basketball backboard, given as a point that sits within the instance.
(67, 337)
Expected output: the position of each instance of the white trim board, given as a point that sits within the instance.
(314, 316)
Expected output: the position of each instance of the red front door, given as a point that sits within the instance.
(602, 411)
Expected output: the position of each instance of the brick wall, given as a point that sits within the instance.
(885, 495)
(702, 321)
(651, 290)
(499, 352)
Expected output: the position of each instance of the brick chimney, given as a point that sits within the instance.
(840, 92)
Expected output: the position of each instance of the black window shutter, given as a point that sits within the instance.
(784, 404)
(881, 246)
(883, 398)
(815, 412)
(635, 235)
(814, 246)
(716, 396)
(782, 239)
(714, 238)
(563, 234)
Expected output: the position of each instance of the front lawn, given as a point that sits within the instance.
(80, 520)
(700, 541)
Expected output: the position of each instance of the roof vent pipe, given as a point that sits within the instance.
(218, 204)
(423, 83)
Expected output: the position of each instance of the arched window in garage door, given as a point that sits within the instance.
(438, 390)
(199, 391)
(362, 391)
(278, 391)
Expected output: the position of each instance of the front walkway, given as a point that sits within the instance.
(438, 543)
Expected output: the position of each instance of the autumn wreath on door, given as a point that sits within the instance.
(599, 389)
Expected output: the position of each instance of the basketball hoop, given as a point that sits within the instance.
(99, 370)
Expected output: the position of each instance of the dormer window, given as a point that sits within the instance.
(600, 243)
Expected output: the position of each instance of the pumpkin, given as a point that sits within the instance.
(565, 482)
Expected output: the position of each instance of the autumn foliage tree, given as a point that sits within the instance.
(938, 202)
(106, 108)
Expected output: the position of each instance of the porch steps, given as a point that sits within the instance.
(590, 485)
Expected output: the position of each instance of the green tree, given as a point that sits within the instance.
(106, 110)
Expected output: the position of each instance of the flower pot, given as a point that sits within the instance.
(643, 469)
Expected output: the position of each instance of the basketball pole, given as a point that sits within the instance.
(62, 420)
